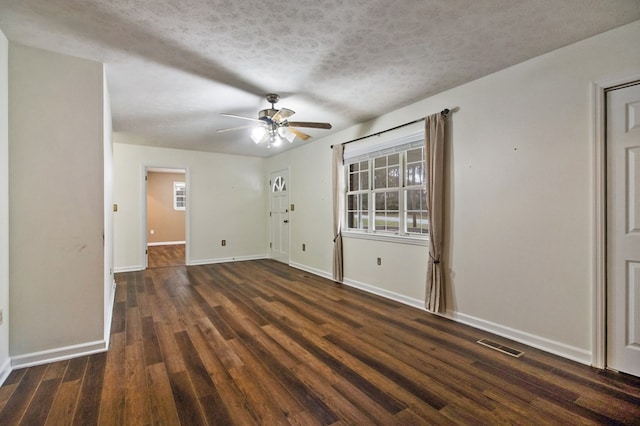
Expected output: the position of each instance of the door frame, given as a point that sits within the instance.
(289, 192)
(599, 138)
(187, 221)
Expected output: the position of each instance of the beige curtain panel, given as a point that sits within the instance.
(338, 201)
(434, 170)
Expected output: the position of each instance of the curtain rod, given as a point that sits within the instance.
(444, 113)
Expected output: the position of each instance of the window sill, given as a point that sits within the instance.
(390, 238)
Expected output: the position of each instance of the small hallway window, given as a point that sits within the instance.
(179, 196)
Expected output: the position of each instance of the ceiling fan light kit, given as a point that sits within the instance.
(274, 127)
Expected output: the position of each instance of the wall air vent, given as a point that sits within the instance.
(501, 348)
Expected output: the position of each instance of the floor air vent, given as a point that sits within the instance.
(501, 348)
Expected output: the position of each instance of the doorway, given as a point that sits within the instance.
(279, 215)
(166, 205)
(623, 228)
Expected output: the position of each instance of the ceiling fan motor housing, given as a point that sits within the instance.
(266, 115)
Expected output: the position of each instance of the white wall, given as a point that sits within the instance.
(225, 200)
(56, 215)
(5, 366)
(520, 198)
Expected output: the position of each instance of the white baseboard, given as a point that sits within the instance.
(314, 271)
(134, 268)
(573, 353)
(416, 303)
(582, 356)
(5, 370)
(166, 243)
(226, 259)
(58, 354)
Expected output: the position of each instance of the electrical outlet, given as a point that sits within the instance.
(304, 247)
(224, 243)
(379, 261)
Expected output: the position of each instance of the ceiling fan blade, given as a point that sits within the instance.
(240, 116)
(300, 135)
(282, 114)
(248, 126)
(309, 124)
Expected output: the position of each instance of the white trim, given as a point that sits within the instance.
(599, 140)
(573, 353)
(599, 321)
(174, 170)
(410, 301)
(227, 259)
(5, 370)
(354, 153)
(582, 356)
(314, 271)
(109, 315)
(58, 354)
(166, 243)
(387, 237)
(133, 268)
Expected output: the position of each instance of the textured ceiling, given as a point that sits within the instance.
(174, 65)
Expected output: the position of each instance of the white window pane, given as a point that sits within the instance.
(414, 155)
(380, 178)
(394, 177)
(364, 180)
(392, 200)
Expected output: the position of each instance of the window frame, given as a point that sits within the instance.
(176, 196)
(396, 146)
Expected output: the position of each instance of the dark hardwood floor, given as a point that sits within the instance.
(261, 343)
(163, 256)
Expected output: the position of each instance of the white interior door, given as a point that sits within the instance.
(279, 212)
(623, 229)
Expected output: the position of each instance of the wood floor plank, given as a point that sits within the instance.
(55, 370)
(137, 401)
(231, 407)
(186, 401)
(40, 405)
(259, 398)
(280, 398)
(88, 407)
(64, 405)
(5, 393)
(162, 401)
(171, 356)
(18, 404)
(259, 342)
(152, 353)
(344, 387)
(112, 403)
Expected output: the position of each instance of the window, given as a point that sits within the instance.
(179, 196)
(386, 191)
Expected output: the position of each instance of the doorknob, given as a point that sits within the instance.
(286, 221)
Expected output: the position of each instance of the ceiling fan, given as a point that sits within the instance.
(275, 126)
